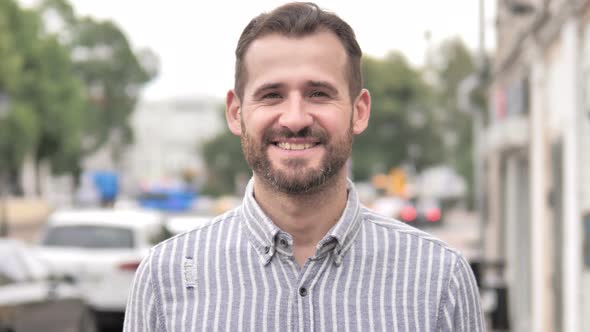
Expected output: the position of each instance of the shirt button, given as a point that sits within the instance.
(283, 243)
(302, 291)
(266, 250)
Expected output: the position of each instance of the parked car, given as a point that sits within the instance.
(388, 206)
(32, 299)
(421, 212)
(177, 224)
(102, 248)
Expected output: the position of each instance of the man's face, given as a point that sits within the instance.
(296, 119)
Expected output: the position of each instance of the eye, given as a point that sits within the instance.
(318, 94)
(272, 95)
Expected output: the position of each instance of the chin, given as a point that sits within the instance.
(303, 181)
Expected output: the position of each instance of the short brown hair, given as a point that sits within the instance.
(300, 19)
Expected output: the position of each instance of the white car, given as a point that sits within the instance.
(102, 249)
(32, 299)
(183, 223)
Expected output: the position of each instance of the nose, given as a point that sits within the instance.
(295, 116)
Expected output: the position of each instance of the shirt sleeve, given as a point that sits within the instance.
(142, 314)
(460, 303)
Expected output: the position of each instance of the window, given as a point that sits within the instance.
(94, 237)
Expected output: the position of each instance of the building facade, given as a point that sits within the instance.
(168, 138)
(537, 152)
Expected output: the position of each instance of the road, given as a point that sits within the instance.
(460, 230)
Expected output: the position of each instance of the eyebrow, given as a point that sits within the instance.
(323, 84)
(267, 86)
(313, 84)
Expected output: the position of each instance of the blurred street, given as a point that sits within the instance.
(113, 138)
(28, 218)
(460, 230)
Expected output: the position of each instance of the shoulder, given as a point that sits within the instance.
(203, 228)
(412, 238)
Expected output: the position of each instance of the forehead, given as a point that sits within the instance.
(319, 56)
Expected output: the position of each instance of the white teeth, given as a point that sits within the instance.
(293, 146)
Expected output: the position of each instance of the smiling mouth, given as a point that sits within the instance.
(295, 146)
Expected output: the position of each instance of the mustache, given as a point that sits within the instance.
(271, 135)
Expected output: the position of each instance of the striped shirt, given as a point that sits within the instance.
(238, 273)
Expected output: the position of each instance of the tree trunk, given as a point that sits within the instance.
(38, 177)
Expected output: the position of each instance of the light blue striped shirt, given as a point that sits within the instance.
(238, 273)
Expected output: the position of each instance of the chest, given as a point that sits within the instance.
(367, 291)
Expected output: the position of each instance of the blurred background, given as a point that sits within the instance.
(113, 138)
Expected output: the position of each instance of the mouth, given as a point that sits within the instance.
(295, 146)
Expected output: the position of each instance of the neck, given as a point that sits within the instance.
(306, 217)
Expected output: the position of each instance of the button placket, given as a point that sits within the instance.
(303, 296)
(310, 275)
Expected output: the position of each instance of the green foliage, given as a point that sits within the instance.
(21, 126)
(111, 72)
(45, 97)
(453, 62)
(225, 162)
(76, 85)
(401, 129)
(59, 107)
(113, 75)
(19, 123)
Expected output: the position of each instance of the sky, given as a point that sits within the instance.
(195, 40)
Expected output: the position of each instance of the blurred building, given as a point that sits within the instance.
(537, 160)
(168, 137)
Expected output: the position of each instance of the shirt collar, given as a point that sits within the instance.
(260, 229)
(265, 236)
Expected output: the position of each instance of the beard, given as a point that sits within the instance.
(296, 176)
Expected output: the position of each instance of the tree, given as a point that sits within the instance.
(112, 73)
(402, 130)
(37, 74)
(71, 88)
(113, 76)
(452, 62)
(59, 108)
(19, 123)
(225, 162)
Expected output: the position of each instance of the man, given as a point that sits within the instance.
(301, 253)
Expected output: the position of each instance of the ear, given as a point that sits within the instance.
(233, 112)
(361, 112)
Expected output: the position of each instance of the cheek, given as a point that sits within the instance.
(258, 123)
(335, 125)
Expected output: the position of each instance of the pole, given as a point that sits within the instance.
(4, 110)
(3, 209)
(465, 102)
(477, 127)
(572, 221)
(482, 34)
(477, 130)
